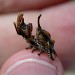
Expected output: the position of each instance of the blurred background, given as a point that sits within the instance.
(8, 12)
(9, 6)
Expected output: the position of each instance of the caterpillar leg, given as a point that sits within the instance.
(50, 55)
(54, 52)
(40, 52)
(34, 50)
